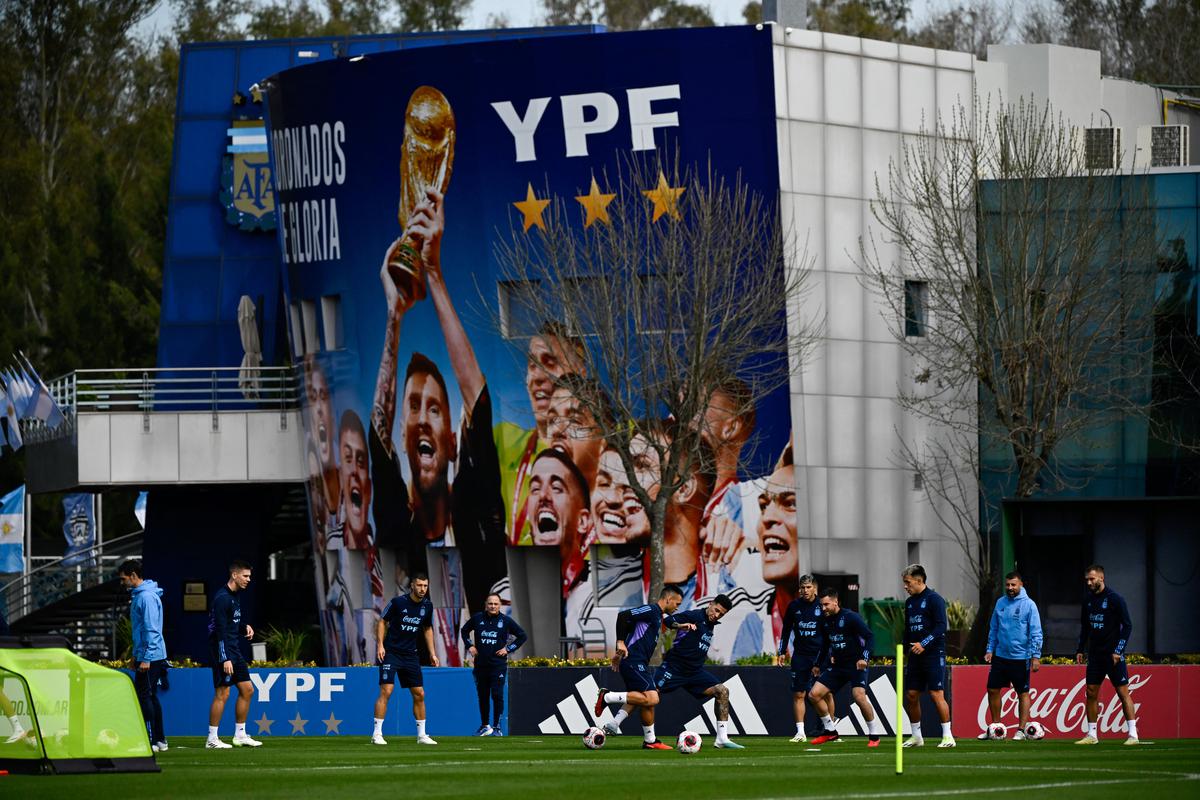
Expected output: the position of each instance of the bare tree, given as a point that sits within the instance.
(674, 283)
(968, 28)
(1024, 304)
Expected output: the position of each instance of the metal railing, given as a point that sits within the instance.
(213, 389)
(64, 577)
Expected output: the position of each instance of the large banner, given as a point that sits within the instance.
(424, 418)
(1161, 696)
(545, 701)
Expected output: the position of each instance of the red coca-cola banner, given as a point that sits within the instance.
(1057, 701)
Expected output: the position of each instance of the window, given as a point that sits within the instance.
(297, 331)
(914, 552)
(916, 295)
(331, 317)
(518, 309)
(308, 317)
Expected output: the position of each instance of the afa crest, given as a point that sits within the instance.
(247, 189)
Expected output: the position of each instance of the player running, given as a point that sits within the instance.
(404, 619)
(637, 636)
(845, 654)
(496, 636)
(1104, 630)
(925, 636)
(802, 623)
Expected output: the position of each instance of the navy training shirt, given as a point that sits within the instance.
(802, 623)
(406, 618)
(225, 626)
(639, 628)
(1104, 624)
(492, 634)
(925, 620)
(847, 639)
(690, 649)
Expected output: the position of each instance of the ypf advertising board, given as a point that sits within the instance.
(396, 175)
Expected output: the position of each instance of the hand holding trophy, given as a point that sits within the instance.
(426, 160)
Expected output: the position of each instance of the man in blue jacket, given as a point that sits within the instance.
(1014, 648)
(149, 651)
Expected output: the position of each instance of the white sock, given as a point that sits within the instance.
(648, 733)
(722, 733)
(378, 726)
(239, 729)
(15, 721)
(615, 698)
(420, 728)
(620, 717)
(916, 731)
(875, 727)
(212, 731)
(799, 727)
(826, 720)
(1091, 729)
(1133, 729)
(946, 734)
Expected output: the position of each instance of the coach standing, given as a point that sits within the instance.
(1014, 648)
(149, 650)
(496, 636)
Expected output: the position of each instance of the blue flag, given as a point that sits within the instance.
(79, 528)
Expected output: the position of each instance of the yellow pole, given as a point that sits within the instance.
(899, 709)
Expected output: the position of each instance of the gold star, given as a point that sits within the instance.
(264, 724)
(256, 93)
(239, 99)
(531, 207)
(595, 204)
(665, 198)
(331, 725)
(298, 724)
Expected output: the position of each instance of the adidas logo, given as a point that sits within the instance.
(882, 695)
(573, 714)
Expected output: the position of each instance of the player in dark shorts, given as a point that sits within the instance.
(1104, 631)
(803, 625)
(637, 636)
(925, 627)
(1014, 649)
(405, 618)
(225, 629)
(844, 657)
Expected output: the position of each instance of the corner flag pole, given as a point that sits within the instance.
(899, 709)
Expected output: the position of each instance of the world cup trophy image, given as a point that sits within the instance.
(426, 158)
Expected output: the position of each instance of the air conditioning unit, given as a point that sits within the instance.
(1100, 148)
(1162, 146)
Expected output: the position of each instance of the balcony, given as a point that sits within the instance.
(148, 427)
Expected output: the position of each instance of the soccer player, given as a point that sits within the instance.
(1014, 647)
(149, 651)
(846, 652)
(683, 665)
(637, 636)
(1104, 630)
(228, 665)
(925, 627)
(802, 623)
(496, 636)
(404, 619)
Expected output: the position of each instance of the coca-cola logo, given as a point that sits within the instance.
(1064, 710)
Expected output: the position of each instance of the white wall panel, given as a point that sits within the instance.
(881, 94)
(845, 367)
(846, 493)
(843, 227)
(845, 431)
(139, 457)
(805, 98)
(814, 439)
(885, 492)
(843, 156)
(808, 157)
(784, 147)
(275, 453)
(92, 435)
(917, 98)
(843, 89)
(844, 306)
(955, 91)
(880, 149)
(882, 369)
(212, 456)
(880, 423)
(804, 218)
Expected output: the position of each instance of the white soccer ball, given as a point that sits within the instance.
(593, 738)
(108, 738)
(1035, 731)
(997, 731)
(688, 742)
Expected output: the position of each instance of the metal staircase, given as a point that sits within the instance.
(79, 598)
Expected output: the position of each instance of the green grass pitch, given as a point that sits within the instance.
(560, 767)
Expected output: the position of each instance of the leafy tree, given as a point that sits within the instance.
(432, 15)
(626, 15)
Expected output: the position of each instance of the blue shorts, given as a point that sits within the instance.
(638, 677)
(241, 672)
(490, 674)
(802, 675)
(403, 668)
(834, 678)
(668, 679)
(1007, 672)
(1101, 666)
(926, 672)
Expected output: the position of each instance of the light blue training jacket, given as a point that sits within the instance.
(1016, 629)
(146, 614)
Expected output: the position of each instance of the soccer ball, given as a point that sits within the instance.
(1035, 731)
(997, 731)
(688, 742)
(108, 738)
(593, 738)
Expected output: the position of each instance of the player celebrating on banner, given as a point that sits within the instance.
(683, 664)
(1104, 630)
(637, 636)
(845, 652)
(1014, 647)
(404, 619)
(495, 637)
(925, 636)
(802, 623)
